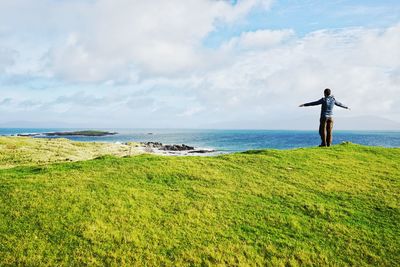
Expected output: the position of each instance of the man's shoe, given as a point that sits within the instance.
(321, 145)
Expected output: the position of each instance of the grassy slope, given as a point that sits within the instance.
(335, 206)
(18, 151)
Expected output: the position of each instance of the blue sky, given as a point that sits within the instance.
(197, 63)
(307, 16)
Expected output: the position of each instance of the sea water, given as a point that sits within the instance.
(229, 140)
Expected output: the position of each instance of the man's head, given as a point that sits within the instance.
(327, 92)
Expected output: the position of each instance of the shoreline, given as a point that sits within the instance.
(151, 147)
(28, 150)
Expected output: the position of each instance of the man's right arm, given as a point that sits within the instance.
(315, 103)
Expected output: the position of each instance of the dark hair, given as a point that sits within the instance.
(327, 92)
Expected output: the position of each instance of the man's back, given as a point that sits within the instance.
(327, 106)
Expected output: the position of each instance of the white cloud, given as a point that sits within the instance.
(102, 40)
(152, 38)
(7, 58)
(259, 39)
(191, 111)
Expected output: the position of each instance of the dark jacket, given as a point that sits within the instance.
(327, 105)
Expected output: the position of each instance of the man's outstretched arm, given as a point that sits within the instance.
(315, 103)
(337, 103)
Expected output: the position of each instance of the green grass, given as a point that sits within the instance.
(20, 151)
(317, 206)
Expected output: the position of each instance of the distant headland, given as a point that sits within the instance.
(81, 133)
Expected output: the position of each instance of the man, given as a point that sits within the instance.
(326, 119)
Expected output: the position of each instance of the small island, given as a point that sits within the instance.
(81, 133)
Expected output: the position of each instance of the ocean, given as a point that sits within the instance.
(229, 140)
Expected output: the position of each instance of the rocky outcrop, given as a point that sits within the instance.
(174, 148)
(152, 144)
(28, 134)
(160, 146)
(182, 147)
(202, 151)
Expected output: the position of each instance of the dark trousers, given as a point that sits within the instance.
(325, 131)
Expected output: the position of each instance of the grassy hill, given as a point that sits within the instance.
(19, 151)
(315, 206)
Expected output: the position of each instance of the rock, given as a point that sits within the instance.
(152, 144)
(182, 147)
(202, 151)
(28, 134)
(160, 146)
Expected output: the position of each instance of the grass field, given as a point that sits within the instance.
(22, 151)
(316, 206)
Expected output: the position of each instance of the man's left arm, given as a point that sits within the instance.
(337, 103)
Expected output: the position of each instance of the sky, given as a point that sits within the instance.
(245, 64)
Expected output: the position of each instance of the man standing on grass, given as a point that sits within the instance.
(326, 119)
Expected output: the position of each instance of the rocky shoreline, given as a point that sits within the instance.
(144, 147)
